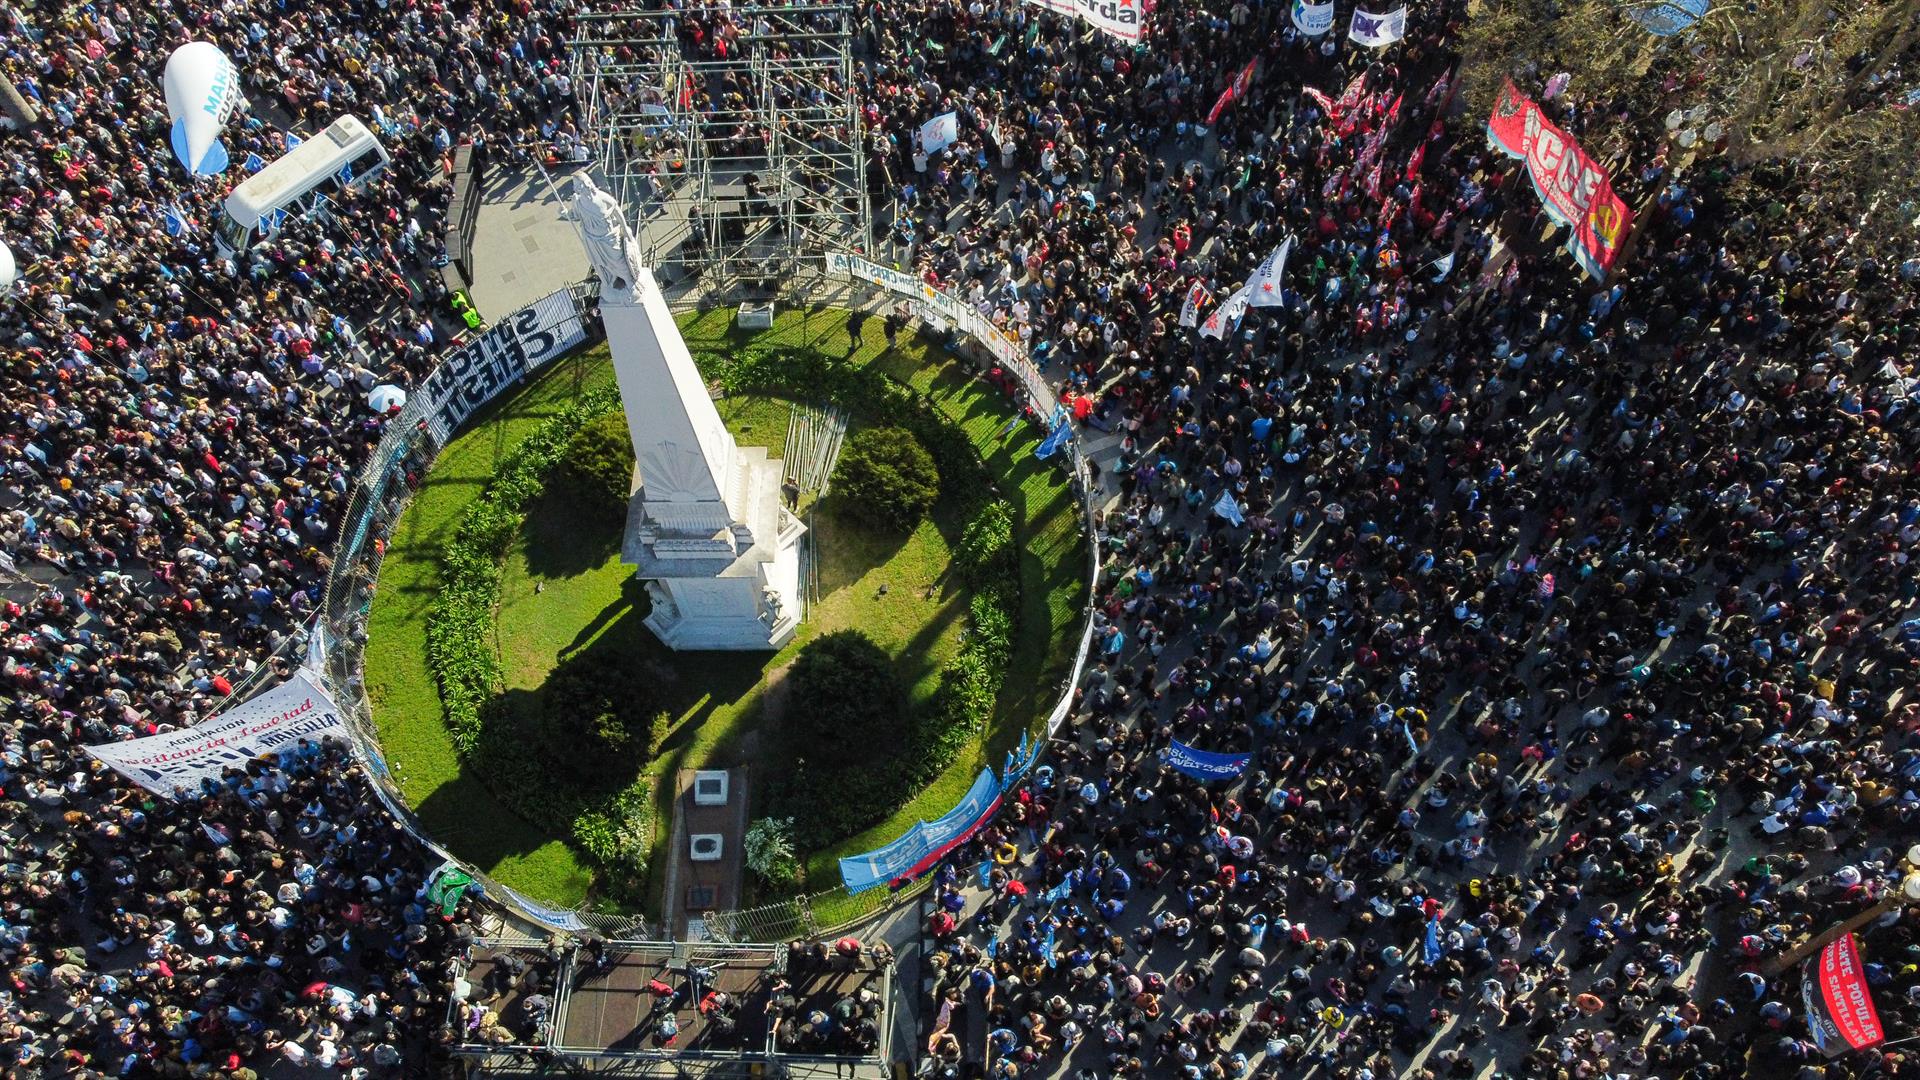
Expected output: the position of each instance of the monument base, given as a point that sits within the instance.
(743, 600)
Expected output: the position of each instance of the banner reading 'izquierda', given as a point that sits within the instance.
(1574, 188)
(1124, 19)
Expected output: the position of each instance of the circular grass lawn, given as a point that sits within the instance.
(566, 595)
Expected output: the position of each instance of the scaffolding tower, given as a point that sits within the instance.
(731, 136)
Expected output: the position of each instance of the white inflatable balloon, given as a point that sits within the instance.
(203, 88)
(9, 270)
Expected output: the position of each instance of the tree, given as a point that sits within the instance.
(1804, 84)
(887, 476)
(769, 850)
(597, 471)
(602, 718)
(845, 703)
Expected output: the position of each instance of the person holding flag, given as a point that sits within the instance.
(1265, 288)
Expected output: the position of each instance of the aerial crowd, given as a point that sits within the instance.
(1565, 624)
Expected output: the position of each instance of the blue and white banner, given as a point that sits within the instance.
(501, 356)
(1374, 30)
(1205, 765)
(920, 847)
(1312, 19)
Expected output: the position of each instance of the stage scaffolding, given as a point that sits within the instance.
(602, 1016)
(739, 170)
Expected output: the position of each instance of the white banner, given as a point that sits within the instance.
(1124, 19)
(1377, 30)
(1265, 287)
(274, 721)
(939, 133)
(1312, 19)
(1190, 311)
(507, 352)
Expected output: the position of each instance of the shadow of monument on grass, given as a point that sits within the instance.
(562, 539)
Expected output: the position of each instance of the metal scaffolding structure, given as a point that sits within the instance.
(732, 136)
(602, 1015)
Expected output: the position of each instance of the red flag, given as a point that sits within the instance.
(1414, 162)
(1235, 90)
(1319, 98)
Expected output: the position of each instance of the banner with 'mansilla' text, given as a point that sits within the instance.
(270, 723)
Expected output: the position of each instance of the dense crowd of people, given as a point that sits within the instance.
(180, 435)
(1565, 624)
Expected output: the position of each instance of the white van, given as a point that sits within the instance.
(344, 156)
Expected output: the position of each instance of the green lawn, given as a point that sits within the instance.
(455, 808)
(587, 600)
(1053, 561)
(564, 590)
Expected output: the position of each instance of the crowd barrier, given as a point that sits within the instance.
(482, 366)
(501, 357)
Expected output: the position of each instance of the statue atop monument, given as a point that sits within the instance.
(609, 242)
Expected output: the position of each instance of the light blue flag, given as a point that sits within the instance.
(1431, 948)
(1046, 946)
(1669, 17)
(1059, 892)
(985, 870)
(1057, 438)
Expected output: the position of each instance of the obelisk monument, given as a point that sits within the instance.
(706, 529)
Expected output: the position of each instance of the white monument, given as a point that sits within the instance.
(706, 529)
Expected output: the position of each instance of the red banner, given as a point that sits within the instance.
(1574, 188)
(1842, 1017)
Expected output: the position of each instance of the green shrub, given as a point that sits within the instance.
(602, 718)
(844, 701)
(769, 852)
(986, 553)
(888, 476)
(597, 469)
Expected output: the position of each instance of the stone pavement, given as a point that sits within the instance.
(523, 248)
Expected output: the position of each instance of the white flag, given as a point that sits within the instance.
(939, 133)
(1377, 30)
(1190, 311)
(1226, 316)
(1229, 509)
(1265, 284)
(1312, 19)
